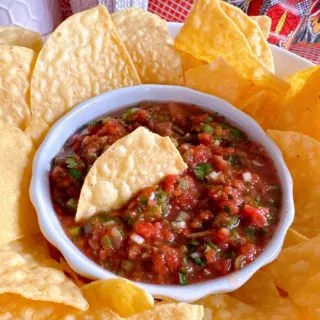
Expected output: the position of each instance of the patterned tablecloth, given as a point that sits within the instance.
(295, 23)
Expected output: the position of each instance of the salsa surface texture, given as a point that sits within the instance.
(211, 220)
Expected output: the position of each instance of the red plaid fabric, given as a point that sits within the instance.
(298, 14)
(171, 10)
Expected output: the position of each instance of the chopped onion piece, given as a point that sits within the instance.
(179, 224)
(257, 163)
(136, 238)
(195, 255)
(247, 176)
(213, 176)
(182, 216)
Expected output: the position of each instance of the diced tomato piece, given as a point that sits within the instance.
(159, 264)
(201, 154)
(222, 236)
(211, 255)
(134, 251)
(172, 259)
(223, 266)
(249, 251)
(169, 182)
(204, 138)
(144, 229)
(256, 216)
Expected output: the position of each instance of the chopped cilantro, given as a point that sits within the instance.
(202, 170)
(251, 233)
(199, 261)
(127, 265)
(75, 231)
(210, 245)
(106, 242)
(72, 204)
(183, 278)
(234, 160)
(71, 163)
(209, 119)
(238, 134)
(143, 200)
(206, 128)
(74, 173)
(126, 115)
(226, 209)
(194, 242)
(276, 188)
(257, 202)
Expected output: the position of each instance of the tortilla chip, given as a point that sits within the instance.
(260, 291)
(302, 110)
(16, 307)
(13, 306)
(26, 269)
(72, 274)
(302, 156)
(174, 311)
(188, 61)
(293, 237)
(225, 307)
(264, 23)
(36, 129)
(82, 58)
(209, 33)
(120, 295)
(297, 81)
(17, 217)
(253, 34)
(15, 73)
(218, 78)
(21, 37)
(295, 266)
(140, 159)
(263, 106)
(257, 98)
(308, 294)
(147, 40)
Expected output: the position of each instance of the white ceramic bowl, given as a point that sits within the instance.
(113, 101)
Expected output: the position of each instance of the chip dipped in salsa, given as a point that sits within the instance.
(213, 219)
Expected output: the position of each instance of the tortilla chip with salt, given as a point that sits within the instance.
(136, 161)
(82, 58)
(27, 270)
(302, 156)
(18, 217)
(208, 33)
(146, 37)
(264, 23)
(15, 73)
(253, 34)
(21, 37)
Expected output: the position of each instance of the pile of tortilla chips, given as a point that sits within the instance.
(220, 51)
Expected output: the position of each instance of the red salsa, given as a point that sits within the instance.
(213, 219)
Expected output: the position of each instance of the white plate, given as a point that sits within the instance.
(285, 62)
